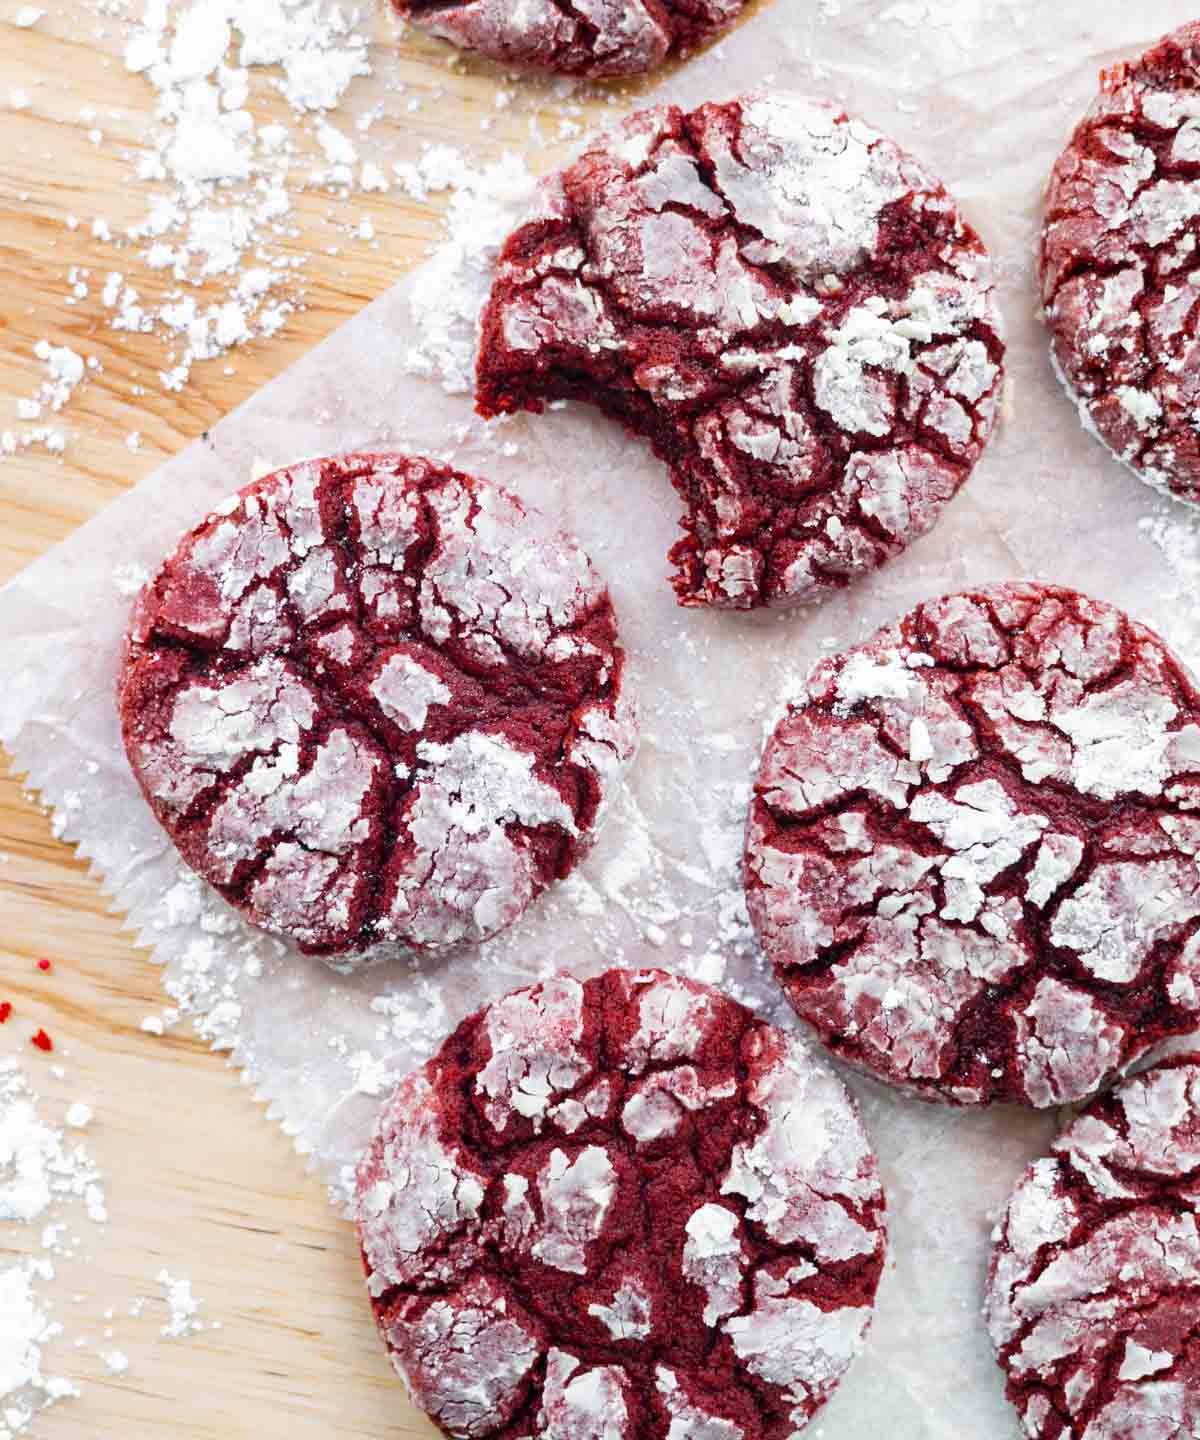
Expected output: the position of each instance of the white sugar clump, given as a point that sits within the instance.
(183, 1307)
(673, 1021)
(24, 1329)
(37, 1164)
(576, 1195)
(869, 677)
(713, 1258)
(116, 1362)
(589, 1404)
(627, 1316)
(534, 1039)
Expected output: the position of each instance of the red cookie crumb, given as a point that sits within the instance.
(6, 1011)
(971, 852)
(791, 310)
(622, 1209)
(42, 1041)
(43, 964)
(375, 706)
(1120, 265)
(575, 37)
(1095, 1277)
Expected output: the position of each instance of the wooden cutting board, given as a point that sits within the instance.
(198, 1180)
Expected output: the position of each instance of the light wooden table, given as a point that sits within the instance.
(198, 1181)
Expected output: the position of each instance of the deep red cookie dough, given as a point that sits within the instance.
(1094, 1288)
(375, 706)
(622, 1209)
(1120, 266)
(575, 37)
(971, 852)
(792, 311)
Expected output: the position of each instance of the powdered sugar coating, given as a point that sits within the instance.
(1120, 269)
(971, 854)
(1095, 1274)
(375, 706)
(575, 37)
(710, 1280)
(792, 311)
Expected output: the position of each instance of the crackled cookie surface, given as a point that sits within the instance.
(622, 1209)
(375, 705)
(1094, 1285)
(792, 311)
(1120, 267)
(972, 848)
(574, 37)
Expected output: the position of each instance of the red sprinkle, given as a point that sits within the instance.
(43, 964)
(43, 1041)
(5, 1012)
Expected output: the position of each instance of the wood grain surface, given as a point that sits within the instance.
(198, 1180)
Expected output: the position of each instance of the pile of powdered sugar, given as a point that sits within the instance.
(224, 172)
(39, 1163)
(25, 1329)
(249, 103)
(44, 1173)
(52, 1198)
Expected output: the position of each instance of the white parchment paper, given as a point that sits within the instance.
(984, 90)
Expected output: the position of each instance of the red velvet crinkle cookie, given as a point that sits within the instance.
(575, 37)
(376, 706)
(972, 848)
(1094, 1289)
(622, 1209)
(1120, 266)
(788, 306)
